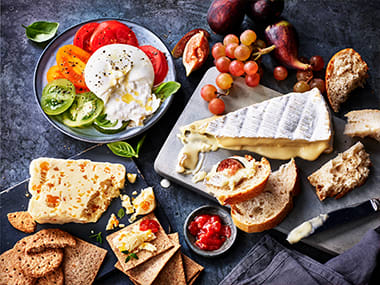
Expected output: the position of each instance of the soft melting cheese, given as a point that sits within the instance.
(79, 191)
(297, 124)
(134, 240)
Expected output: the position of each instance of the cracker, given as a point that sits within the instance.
(49, 238)
(192, 269)
(53, 278)
(147, 272)
(161, 242)
(22, 221)
(10, 272)
(173, 272)
(82, 262)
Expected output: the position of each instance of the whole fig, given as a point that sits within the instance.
(225, 16)
(264, 11)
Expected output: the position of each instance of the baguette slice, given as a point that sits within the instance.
(345, 71)
(234, 187)
(340, 175)
(269, 208)
(363, 123)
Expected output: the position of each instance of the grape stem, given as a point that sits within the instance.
(227, 92)
(263, 51)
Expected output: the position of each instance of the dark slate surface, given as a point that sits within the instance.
(324, 27)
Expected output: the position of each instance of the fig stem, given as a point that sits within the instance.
(263, 51)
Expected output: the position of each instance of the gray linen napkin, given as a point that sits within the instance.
(268, 262)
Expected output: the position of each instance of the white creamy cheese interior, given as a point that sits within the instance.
(122, 76)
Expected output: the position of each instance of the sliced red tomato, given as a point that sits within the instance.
(83, 36)
(72, 61)
(159, 62)
(112, 32)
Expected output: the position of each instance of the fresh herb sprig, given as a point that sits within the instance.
(121, 213)
(130, 255)
(124, 149)
(166, 89)
(98, 237)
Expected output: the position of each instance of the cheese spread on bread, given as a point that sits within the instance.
(78, 191)
(135, 240)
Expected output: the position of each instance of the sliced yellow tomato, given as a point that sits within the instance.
(71, 61)
(54, 73)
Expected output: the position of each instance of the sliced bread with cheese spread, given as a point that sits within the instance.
(363, 123)
(269, 208)
(237, 179)
(342, 174)
(345, 72)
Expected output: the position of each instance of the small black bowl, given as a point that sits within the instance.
(226, 220)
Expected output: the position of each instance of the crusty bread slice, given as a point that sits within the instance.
(269, 208)
(345, 71)
(246, 188)
(363, 123)
(341, 174)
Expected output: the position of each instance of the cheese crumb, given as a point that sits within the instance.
(165, 183)
(121, 225)
(126, 203)
(200, 176)
(131, 177)
(113, 222)
(134, 193)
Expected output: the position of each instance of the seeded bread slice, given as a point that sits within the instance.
(246, 189)
(340, 175)
(345, 71)
(363, 123)
(269, 208)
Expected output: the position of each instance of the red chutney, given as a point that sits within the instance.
(209, 232)
(149, 225)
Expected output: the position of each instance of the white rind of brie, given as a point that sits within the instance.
(296, 124)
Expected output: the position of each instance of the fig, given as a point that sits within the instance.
(195, 52)
(225, 16)
(264, 11)
(283, 35)
(180, 46)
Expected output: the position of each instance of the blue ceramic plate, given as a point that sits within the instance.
(90, 134)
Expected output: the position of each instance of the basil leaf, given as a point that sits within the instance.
(164, 90)
(134, 255)
(103, 122)
(121, 213)
(41, 31)
(139, 144)
(125, 251)
(123, 149)
(98, 237)
(128, 258)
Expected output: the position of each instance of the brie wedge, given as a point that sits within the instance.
(296, 124)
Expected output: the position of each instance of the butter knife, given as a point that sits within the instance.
(334, 218)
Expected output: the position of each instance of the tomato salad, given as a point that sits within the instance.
(68, 98)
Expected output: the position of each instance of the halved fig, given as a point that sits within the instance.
(180, 46)
(195, 53)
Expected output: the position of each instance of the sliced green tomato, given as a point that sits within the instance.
(57, 96)
(107, 127)
(85, 109)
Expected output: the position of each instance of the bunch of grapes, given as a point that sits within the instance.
(306, 79)
(232, 57)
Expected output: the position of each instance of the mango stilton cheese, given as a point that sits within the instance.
(78, 191)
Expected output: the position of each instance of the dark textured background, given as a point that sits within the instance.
(324, 27)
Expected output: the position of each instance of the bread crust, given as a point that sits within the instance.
(245, 190)
(329, 75)
(275, 220)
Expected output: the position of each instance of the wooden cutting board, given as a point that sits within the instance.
(306, 205)
(15, 199)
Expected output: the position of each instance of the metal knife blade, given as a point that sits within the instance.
(328, 220)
